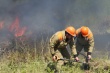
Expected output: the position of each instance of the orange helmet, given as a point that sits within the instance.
(84, 31)
(70, 30)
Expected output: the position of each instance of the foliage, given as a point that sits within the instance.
(27, 64)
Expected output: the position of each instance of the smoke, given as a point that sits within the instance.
(48, 16)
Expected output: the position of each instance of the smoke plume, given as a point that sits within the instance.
(45, 17)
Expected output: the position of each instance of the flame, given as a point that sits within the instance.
(16, 29)
(20, 31)
(1, 25)
(14, 26)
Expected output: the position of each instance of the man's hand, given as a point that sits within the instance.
(76, 59)
(55, 58)
(89, 57)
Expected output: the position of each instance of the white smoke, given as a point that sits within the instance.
(49, 16)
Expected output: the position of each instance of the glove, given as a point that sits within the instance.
(89, 57)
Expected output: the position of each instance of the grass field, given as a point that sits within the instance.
(16, 62)
(33, 60)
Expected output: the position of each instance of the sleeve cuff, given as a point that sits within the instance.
(89, 53)
(52, 54)
(75, 55)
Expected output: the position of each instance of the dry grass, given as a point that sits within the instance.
(34, 59)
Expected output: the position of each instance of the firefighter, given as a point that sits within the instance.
(84, 40)
(58, 44)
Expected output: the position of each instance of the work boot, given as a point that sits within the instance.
(86, 66)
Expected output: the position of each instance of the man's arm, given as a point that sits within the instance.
(53, 42)
(73, 47)
(91, 45)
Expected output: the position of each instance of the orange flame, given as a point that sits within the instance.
(20, 31)
(16, 29)
(1, 25)
(14, 26)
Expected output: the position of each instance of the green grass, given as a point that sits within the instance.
(34, 66)
(34, 61)
(17, 64)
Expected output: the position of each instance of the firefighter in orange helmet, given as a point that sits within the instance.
(58, 44)
(85, 40)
